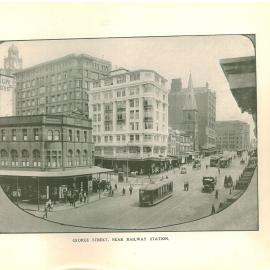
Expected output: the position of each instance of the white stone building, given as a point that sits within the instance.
(129, 110)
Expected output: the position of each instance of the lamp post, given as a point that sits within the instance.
(127, 162)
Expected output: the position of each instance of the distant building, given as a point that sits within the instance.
(180, 146)
(232, 135)
(206, 113)
(54, 148)
(7, 92)
(130, 120)
(58, 86)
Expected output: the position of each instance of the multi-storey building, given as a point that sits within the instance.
(206, 113)
(130, 119)
(58, 86)
(56, 148)
(232, 135)
(180, 146)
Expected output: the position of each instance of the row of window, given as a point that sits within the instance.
(53, 158)
(130, 149)
(62, 74)
(52, 135)
(123, 93)
(132, 138)
(54, 109)
(123, 78)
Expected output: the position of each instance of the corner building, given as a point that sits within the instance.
(58, 86)
(55, 149)
(129, 110)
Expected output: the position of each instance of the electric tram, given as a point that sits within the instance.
(154, 193)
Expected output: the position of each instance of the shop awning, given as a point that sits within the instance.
(50, 174)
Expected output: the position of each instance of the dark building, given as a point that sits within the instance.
(58, 86)
(206, 106)
(54, 148)
(241, 75)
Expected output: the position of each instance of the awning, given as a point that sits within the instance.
(50, 174)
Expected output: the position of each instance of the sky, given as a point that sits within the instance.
(171, 57)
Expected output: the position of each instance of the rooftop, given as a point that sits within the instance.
(64, 58)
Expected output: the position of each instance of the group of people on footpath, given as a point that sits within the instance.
(130, 190)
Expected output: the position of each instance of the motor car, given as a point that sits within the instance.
(209, 183)
(183, 170)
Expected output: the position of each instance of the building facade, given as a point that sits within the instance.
(232, 135)
(130, 119)
(58, 86)
(180, 147)
(206, 105)
(7, 92)
(55, 148)
(45, 142)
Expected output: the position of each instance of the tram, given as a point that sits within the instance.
(225, 161)
(154, 193)
(214, 160)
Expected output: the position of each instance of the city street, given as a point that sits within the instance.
(124, 212)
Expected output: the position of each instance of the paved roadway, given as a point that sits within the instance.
(124, 212)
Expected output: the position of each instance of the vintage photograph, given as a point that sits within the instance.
(128, 134)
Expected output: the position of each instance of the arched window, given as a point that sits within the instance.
(84, 157)
(56, 135)
(50, 135)
(4, 157)
(25, 158)
(14, 158)
(36, 158)
(77, 158)
(69, 158)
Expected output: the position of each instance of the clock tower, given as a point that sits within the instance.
(13, 62)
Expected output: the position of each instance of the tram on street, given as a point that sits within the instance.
(225, 162)
(154, 193)
(214, 160)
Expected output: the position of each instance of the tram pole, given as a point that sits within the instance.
(38, 191)
(17, 184)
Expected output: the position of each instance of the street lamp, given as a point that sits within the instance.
(127, 162)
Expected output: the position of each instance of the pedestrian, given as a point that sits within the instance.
(80, 197)
(218, 170)
(49, 205)
(45, 212)
(112, 192)
(187, 185)
(213, 210)
(84, 197)
(124, 191)
(216, 194)
(130, 190)
(74, 200)
(115, 186)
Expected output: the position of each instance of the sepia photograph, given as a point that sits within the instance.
(128, 134)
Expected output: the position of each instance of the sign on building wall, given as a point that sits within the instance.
(7, 88)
